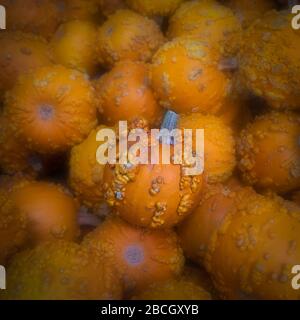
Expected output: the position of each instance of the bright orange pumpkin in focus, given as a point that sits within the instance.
(151, 195)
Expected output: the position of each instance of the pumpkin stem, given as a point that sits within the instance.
(170, 122)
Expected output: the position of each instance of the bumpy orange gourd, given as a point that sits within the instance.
(154, 7)
(61, 270)
(252, 254)
(249, 243)
(209, 21)
(52, 109)
(269, 60)
(86, 174)
(20, 53)
(269, 154)
(13, 225)
(152, 195)
(73, 45)
(127, 35)
(50, 211)
(219, 145)
(186, 77)
(249, 11)
(124, 93)
(140, 256)
(196, 231)
(174, 289)
(41, 17)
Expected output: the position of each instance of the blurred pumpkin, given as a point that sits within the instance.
(219, 145)
(50, 211)
(196, 231)
(124, 94)
(186, 77)
(140, 256)
(174, 289)
(249, 11)
(20, 53)
(61, 270)
(40, 17)
(127, 35)
(210, 22)
(13, 225)
(269, 60)
(73, 45)
(85, 173)
(52, 109)
(269, 153)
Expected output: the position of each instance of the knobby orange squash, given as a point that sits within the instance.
(52, 109)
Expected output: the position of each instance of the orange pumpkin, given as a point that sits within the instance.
(186, 77)
(252, 254)
(140, 256)
(86, 174)
(196, 231)
(219, 145)
(41, 17)
(269, 60)
(61, 270)
(13, 225)
(269, 154)
(20, 53)
(174, 289)
(247, 242)
(73, 45)
(50, 211)
(127, 35)
(249, 11)
(124, 94)
(52, 109)
(154, 7)
(209, 21)
(151, 195)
